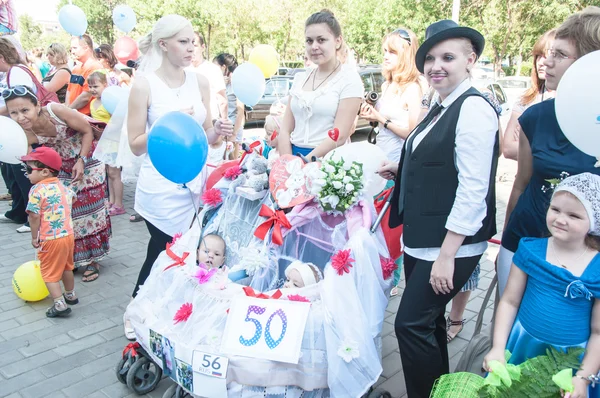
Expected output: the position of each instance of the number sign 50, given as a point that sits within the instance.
(271, 343)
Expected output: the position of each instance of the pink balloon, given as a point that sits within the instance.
(126, 49)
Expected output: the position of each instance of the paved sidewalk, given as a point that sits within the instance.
(76, 357)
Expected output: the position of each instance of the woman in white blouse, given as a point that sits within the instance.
(324, 97)
(399, 107)
(444, 196)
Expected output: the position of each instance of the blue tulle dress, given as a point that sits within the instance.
(556, 308)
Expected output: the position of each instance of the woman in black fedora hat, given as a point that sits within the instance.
(445, 198)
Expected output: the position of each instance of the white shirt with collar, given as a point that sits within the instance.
(473, 154)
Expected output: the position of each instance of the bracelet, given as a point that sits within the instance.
(593, 379)
(386, 123)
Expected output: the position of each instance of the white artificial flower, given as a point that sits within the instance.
(336, 184)
(329, 168)
(348, 350)
(253, 260)
(349, 187)
(347, 179)
(333, 200)
(347, 165)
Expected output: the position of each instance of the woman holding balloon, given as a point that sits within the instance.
(325, 97)
(545, 154)
(162, 86)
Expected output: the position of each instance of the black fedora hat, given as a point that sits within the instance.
(444, 30)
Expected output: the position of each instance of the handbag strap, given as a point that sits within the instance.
(486, 300)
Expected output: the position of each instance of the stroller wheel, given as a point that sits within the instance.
(143, 376)
(122, 369)
(379, 393)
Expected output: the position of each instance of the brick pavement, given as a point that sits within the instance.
(76, 357)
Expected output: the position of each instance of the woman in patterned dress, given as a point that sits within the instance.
(72, 136)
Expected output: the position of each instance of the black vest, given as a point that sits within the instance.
(431, 183)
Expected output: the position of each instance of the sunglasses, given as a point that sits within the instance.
(19, 91)
(403, 34)
(28, 169)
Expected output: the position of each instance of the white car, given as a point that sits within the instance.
(515, 86)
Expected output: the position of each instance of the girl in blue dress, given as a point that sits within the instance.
(552, 298)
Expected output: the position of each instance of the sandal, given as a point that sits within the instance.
(449, 324)
(6, 196)
(89, 272)
(136, 218)
(116, 210)
(395, 291)
(129, 331)
(53, 312)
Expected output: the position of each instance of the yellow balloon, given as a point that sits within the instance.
(28, 283)
(265, 57)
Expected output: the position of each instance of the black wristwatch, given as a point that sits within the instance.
(78, 156)
(386, 123)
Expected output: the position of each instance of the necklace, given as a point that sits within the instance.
(324, 80)
(558, 259)
(168, 84)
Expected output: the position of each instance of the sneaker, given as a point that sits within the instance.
(23, 229)
(4, 219)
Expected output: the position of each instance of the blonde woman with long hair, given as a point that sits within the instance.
(398, 109)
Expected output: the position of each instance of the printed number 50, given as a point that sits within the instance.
(271, 343)
(206, 363)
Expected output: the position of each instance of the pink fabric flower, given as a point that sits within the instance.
(342, 262)
(183, 313)
(388, 266)
(212, 197)
(297, 297)
(203, 275)
(176, 237)
(233, 172)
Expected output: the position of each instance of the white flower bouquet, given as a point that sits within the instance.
(337, 185)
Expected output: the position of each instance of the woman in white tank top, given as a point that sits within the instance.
(163, 86)
(398, 109)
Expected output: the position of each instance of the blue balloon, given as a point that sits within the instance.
(111, 96)
(124, 18)
(248, 83)
(73, 20)
(178, 147)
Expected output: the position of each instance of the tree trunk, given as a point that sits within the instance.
(208, 41)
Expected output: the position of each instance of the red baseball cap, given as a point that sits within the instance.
(47, 156)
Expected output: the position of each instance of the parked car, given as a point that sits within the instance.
(277, 88)
(497, 92)
(486, 73)
(515, 86)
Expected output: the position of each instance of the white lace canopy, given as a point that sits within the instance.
(586, 188)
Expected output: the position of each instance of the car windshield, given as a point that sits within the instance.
(513, 83)
(277, 87)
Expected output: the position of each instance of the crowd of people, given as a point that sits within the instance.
(441, 137)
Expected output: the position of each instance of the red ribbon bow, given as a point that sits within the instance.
(275, 219)
(251, 293)
(131, 347)
(179, 261)
(249, 150)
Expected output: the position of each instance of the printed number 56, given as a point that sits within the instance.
(271, 343)
(206, 363)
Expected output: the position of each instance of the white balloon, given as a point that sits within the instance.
(371, 157)
(73, 20)
(577, 105)
(13, 141)
(124, 18)
(248, 83)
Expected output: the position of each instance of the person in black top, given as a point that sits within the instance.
(60, 74)
(444, 195)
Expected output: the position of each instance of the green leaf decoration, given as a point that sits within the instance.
(564, 379)
(507, 355)
(498, 374)
(514, 371)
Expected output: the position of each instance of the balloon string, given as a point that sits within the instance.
(196, 215)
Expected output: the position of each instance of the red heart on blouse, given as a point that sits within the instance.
(274, 135)
(334, 134)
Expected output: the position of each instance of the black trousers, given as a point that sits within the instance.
(158, 243)
(19, 189)
(6, 176)
(421, 326)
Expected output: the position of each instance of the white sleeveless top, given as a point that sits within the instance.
(164, 204)
(391, 107)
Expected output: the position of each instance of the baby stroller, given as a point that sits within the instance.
(338, 350)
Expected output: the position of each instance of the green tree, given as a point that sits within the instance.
(31, 33)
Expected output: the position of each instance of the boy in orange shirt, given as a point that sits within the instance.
(49, 212)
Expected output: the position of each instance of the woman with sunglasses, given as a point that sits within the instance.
(545, 153)
(59, 76)
(71, 135)
(105, 54)
(17, 73)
